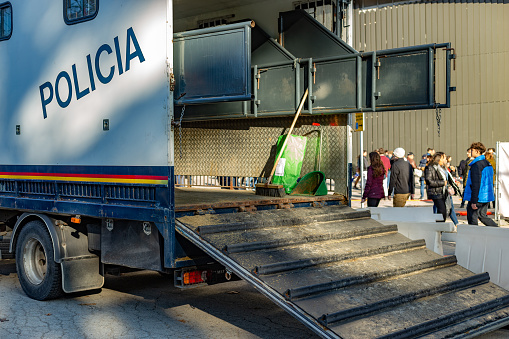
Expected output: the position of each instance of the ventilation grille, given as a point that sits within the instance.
(137, 193)
(7, 186)
(34, 187)
(79, 190)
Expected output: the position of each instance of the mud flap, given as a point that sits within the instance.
(81, 274)
(81, 269)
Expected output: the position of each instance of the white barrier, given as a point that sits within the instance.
(415, 223)
(484, 249)
(502, 184)
(419, 214)
(431, 232)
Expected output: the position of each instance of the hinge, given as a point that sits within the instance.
(378, 64)
(452, 57)
(172, 82)
(258, 76)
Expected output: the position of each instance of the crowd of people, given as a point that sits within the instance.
(393, 175)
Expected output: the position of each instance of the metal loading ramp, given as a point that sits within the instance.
(345, 275)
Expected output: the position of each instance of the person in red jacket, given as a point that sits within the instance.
(374, 190)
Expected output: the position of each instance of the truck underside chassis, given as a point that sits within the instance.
(63, 254)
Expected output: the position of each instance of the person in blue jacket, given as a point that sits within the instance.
(479, 188)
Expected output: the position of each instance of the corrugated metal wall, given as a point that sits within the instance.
(479, 32)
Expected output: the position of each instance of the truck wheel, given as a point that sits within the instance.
(39, 275)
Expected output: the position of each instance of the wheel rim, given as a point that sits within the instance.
(34, 261)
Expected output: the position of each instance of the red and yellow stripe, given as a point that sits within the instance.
(100, 178)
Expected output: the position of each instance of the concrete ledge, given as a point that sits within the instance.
(484, 249)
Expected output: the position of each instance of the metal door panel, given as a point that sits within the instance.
(336, 85)
(277, 90)
(404, 80)
(213, 64)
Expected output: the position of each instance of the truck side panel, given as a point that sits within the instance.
(60, 82)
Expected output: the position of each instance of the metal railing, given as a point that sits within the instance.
(228, 182)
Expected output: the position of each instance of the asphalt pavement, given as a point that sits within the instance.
(144, 305)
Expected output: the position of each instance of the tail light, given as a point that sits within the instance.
(192, 276)
(195, 277)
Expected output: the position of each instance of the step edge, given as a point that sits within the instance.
(304, 291)
(449, 319)
(308, 262)
(349, 314)
(240, 226)
(270, 244)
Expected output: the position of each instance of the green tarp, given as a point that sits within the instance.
(290, 164)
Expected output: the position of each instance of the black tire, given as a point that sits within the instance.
(38, 273)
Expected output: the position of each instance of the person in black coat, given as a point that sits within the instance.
(401, 182)
(438, 182)
(462, 167)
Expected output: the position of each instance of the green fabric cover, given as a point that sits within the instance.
(290, 164)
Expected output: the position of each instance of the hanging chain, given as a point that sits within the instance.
(438, 114)
(180, 129)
